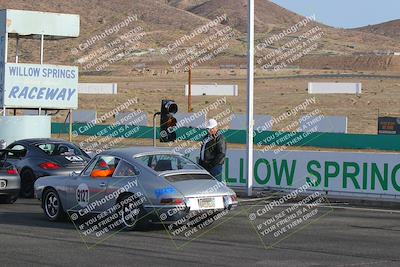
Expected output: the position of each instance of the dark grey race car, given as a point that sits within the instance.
(9, 181)
(36, 158)
(163, 186)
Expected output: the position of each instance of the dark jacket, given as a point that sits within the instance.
(214, 153)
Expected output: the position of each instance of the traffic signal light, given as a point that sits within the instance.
(168, 121)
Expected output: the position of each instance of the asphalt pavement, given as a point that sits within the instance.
(326, 236)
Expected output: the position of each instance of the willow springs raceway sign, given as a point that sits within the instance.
(366, 175)
(37, 85)
(45, 86)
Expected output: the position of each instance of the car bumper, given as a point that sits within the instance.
(9, 192)
(171, 215)
(13, 185)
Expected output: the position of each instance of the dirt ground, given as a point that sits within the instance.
(380, 96)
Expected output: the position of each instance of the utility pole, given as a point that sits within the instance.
(250, 95)
(190, 88)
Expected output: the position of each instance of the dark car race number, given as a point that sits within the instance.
(74, 158)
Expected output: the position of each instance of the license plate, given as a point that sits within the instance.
(207, 203)
(3, 184)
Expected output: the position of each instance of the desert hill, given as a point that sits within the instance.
(164, 21)
(389, 29)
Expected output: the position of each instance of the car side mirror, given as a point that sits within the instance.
(74, 173)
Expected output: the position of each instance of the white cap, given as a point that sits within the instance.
(211, 124)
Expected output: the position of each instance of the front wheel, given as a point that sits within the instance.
(52, 206)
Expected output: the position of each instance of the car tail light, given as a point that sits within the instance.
(49, 166)
(172, 201)
(12, 172)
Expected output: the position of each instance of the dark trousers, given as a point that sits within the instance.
(216, 171)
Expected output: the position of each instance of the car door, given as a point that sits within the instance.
(89, 188)
(125, 177)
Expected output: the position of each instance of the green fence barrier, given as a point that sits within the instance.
(320, 140)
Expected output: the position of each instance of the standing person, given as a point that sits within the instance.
(213, 150)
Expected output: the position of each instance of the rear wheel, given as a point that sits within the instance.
(27, 180)
(131, 213)
(52, 206)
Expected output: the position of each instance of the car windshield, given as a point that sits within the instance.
(60, 149)
(167, 162)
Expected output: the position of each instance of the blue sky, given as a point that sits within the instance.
(345, 13)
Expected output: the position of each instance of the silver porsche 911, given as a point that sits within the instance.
(141, 185)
